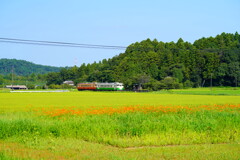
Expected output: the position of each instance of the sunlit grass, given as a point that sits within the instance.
(115, 121)
(22, 101)
(69, 148)
(204, 91)
(130, 126)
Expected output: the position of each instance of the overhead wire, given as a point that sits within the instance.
(61, 44)
(93, 46)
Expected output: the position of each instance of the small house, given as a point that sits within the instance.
(16, 87)
(70, 83)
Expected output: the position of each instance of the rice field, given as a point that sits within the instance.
(205, 91)
(119, 125)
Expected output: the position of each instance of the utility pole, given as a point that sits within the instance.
(236, 76)
(236, 80)
(12, 77)
(211, 81)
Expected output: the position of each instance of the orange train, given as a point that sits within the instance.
(116, 86)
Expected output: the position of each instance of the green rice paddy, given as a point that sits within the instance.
(202, 134)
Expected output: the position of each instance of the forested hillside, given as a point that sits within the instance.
(24, 68)
(156, 65)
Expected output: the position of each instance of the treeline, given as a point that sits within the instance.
(31, 81)
(24, 68)
(156, 65)
(21, 72)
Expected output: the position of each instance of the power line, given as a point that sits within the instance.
(60, 44)
(80, 45)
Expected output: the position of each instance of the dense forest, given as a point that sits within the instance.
(213, 61)
(149, 64)
(24, 68)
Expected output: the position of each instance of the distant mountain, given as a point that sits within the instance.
(23, 68)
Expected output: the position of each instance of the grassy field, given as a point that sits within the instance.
(204, 91)
(120, 125)
(19, 101)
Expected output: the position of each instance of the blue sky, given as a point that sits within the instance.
(107, 22)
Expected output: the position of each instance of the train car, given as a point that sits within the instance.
(86, 86)
(116, 86)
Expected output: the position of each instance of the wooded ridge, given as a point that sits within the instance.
(24, 68)
(156, 65)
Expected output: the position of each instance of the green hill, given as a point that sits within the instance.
(212, 61)
(23, 68)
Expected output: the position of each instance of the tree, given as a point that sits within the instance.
(54, 78)
(188, 84)
(211, 63)
(1, 79)
(31, 86)
(152, 85)
(170, 83)
(154, 71)
(140, 79)
(234, 73)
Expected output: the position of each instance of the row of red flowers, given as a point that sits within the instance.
(136, 108)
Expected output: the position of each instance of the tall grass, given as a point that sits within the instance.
(5, 156)
(130, 129)
(63, 131)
